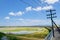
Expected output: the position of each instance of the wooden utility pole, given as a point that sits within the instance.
(51, 16)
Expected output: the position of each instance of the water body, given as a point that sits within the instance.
(4, 38)
(21, 32)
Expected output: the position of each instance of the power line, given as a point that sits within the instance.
(37, 2)
(33, 2)
(25, 2)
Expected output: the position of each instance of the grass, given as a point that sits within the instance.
(21, 29)
(40, 33)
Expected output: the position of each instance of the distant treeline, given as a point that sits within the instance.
(24, 26)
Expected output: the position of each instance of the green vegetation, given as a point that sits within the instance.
(40, 33)
(1, 35)
(17, 29)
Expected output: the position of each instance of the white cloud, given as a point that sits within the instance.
(19, 13)
(47, 7)
(28, 8)
(20, 19)
(50, 1)
(7, 18)
(29, 22)
(12, 14)
(39, 8)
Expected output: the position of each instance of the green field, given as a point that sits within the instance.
(15, 29)
(40, 32)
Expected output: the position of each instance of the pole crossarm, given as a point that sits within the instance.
(50, 10)
(52, 17)
(51, 14)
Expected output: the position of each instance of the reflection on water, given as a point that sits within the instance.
(21, 32)
(4, 38)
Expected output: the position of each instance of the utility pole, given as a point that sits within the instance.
(51, 16)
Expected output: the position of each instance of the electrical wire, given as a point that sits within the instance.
(25, 3)
(37, 2)
(33, 2)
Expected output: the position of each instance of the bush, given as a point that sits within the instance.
(1, 35)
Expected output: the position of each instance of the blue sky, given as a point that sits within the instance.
(27, 12)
